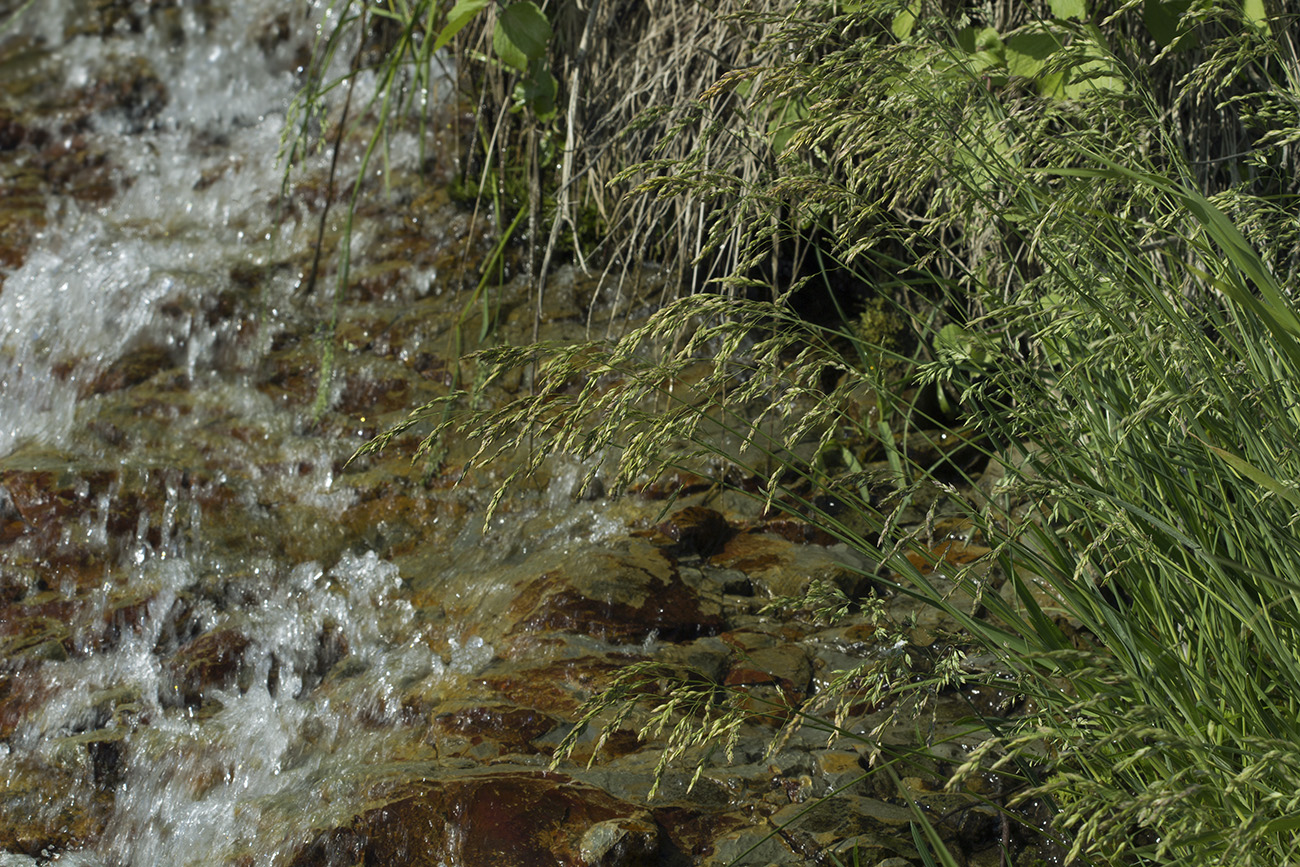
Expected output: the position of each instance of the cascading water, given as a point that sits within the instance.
(227, 750)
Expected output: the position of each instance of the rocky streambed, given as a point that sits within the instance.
(222, 644)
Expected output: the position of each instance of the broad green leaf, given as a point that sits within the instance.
(1283, 824)
(972, 40)
(1092, 76)
(1164, 20)
(904, 21)
(958, 344)
(786, 121)
(1028, 52)
(537, 91)
(1076, 9)
(521, 35)
(460, 15)
(983, 47)
(1255, 13)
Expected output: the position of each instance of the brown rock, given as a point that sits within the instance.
(782, 568)
(949, 555)
(616, 596)
(776, 678)
(20, 693)
(211, 661)
(130, 369)
(692, 832)
(695, 530)
(627, 842)
(503, 729)
(34, 823)
(520, 819)
(557, 687)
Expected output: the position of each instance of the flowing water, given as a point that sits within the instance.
(140, 522)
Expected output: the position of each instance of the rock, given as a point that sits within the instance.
(556, 687)
(695, 530)
(882, 829)
(630, 842)
(37, 824)
(490, 730)
(777, 678)
(783, 568)
(516, 818)
(617, 596)
(211, 661)
(691, 833)
(21, 693)
(130, 369)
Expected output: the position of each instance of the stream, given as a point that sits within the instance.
(223, 644)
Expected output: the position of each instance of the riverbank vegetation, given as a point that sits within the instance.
(1063, 234)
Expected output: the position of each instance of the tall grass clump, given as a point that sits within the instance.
(1087, 220)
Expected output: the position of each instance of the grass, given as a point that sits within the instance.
(1093, 247)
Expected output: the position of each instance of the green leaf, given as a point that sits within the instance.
(1076, 9)
(904, 21)
(521, 35)
(1092, 76)
(1283, 824)
(1256, 475)
(957, 344)
(1028, 52)
(786, 120)
(983, 47)
(1255, 13)
(1164, 20)
(538, 90)
(460, 15)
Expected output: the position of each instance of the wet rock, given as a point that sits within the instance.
(211, 661)
(695, 530)
(617, 596)
(371, 393)
(881, 829)
(776, 678)
(12, 130)
(706, 657)
(44, 496)
(798, 531)
(38, 825)
(291, 376)
(555, 688)
(129, 87)
(940, 566)
(948, 556)
(783, 568)
(674, 484)
(21, 692)
(493, 729)
(630, 842)
(39, 628)
(521, 819)
(125, 613)
(131, 368)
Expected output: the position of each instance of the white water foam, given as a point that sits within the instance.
(196, 195)
(275, 755)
